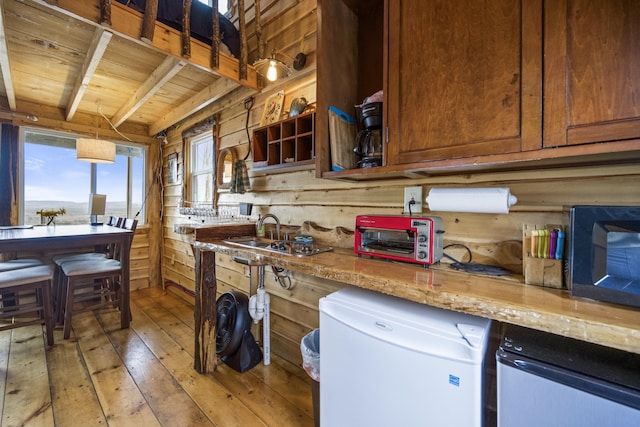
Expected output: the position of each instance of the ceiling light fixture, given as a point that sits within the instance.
(274, 69)
(95, 150)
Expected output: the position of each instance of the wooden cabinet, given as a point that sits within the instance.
(474, 86)
(350, 63)
(592, 71)
(464, 79)
(289, 143)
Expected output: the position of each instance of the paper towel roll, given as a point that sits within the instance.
(480, 200)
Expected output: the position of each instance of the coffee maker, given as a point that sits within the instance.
(368, 145)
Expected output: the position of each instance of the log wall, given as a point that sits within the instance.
(296, 197)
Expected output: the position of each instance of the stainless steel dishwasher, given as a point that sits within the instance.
(385, 361)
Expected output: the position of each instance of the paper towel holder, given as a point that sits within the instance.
(473, 200)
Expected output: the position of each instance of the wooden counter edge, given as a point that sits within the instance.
(510, 301)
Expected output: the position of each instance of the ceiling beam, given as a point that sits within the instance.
(210, 94)
(4, 63)
(128, 23)
(165, 71)
(101, 39)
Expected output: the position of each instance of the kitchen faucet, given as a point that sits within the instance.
(269, 215)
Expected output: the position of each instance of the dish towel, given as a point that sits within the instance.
(240, 177)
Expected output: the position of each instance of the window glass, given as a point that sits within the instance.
(223, 5)
(114, 181)
(202, 155)
(53, 180)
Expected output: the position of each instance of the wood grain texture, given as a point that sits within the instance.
(504, 299)
(100, 376)
(470, 61)
(205, 312)
(26, 395)
(591, 71)
(46, 47)
(149, 21)
(543, 188)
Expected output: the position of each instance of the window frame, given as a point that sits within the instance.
(93, 170)
(190, 186)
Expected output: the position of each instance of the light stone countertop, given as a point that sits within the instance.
(505, 299)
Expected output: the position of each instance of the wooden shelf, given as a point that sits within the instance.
(285, 145)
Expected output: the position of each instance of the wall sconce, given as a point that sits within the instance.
(274, 69)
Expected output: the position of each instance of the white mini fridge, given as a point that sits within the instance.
(385, 361)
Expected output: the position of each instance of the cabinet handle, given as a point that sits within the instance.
(387, 136)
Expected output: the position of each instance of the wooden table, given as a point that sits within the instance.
(46, 239)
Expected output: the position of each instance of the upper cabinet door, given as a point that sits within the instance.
(464, 78)
(592, 71)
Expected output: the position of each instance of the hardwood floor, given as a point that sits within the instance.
(141, 376)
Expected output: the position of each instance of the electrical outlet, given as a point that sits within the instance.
(415, 194)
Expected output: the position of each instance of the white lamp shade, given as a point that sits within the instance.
(95, 150)
(97, 204)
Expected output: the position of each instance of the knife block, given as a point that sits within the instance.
(540, 271)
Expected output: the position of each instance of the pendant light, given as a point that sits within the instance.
(95, 150)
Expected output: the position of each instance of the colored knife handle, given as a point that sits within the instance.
(540, 243)
(553, 244)
(534, 243)
(545, 243)
(560, 245)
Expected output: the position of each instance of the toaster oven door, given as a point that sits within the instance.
(396, 244)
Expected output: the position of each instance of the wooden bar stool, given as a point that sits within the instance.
(16, 264)
(58, 260)
(27, 290)
(91, 284)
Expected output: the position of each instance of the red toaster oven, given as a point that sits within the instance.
(400, 238)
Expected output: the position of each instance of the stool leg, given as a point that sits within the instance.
(59, 295)
(48, 311)
(68, 308)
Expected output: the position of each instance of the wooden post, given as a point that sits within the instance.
(205, 358)
(243, 42)
(215, 36)
(186, 28)
(149, 21)
(105, 13)
(259, 31)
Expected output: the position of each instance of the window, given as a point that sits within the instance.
(52, 179)
(201, 167)
(223, 5)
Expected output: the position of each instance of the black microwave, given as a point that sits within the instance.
(604, 253)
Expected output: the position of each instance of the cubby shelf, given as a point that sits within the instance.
(289, 143)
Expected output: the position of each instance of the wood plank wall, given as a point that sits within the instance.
(298, 196)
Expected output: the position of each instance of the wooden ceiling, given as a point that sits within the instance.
(60, 59)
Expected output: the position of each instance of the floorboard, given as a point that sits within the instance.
(141, 376)
(72, 392)
(27, 400)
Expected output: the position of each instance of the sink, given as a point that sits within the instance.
(286, 247)
(253, 243)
